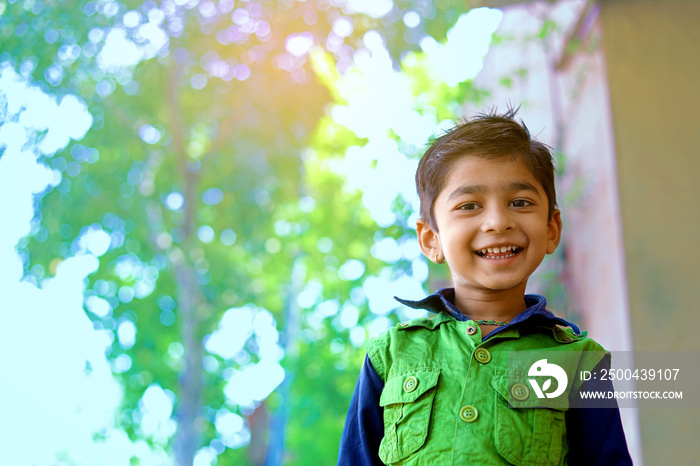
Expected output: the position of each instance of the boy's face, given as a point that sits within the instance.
(488, 206)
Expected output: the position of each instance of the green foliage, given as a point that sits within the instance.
(321, 399)
(212, 164)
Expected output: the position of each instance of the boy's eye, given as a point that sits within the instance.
(520, 203)
(469, 206)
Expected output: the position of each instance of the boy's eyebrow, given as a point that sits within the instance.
(480, 189)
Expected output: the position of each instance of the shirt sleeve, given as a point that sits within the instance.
(364, 427)
(594, 429)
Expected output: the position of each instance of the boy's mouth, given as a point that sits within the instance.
(502, 252)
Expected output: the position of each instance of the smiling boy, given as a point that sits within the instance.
(436, 391)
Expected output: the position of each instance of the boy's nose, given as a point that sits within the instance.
(497, 220)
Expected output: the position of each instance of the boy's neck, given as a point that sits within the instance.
(501, 305)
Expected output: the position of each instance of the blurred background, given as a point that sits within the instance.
(207, 206)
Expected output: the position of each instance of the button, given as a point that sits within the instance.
(410, 384)
(468, 413)
(482, 355)
(520, 391)
(471, 330)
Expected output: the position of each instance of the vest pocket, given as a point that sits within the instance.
(528, 436)
(407, 400)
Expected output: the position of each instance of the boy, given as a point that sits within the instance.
(439, 391)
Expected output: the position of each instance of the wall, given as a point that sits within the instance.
(652, 52)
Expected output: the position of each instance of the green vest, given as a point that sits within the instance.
(446, 393)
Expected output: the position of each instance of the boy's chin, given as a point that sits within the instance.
(498, 286)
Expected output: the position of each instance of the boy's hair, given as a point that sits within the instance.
(488, 135)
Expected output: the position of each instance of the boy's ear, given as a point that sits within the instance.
(428, 240)
(554, 231)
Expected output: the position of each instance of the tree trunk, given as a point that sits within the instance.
(191, 301)
(190, 297)
(278, 422)
(188, 436)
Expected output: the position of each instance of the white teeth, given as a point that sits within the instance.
(498, 250)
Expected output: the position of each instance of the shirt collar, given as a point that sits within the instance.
(443, 300)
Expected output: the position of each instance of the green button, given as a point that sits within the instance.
(468, 413)
(482, 355)
(520, 391)
(410, 384)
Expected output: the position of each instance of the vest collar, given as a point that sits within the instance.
(442, 301)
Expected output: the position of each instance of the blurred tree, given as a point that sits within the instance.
(196, 167)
